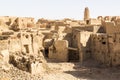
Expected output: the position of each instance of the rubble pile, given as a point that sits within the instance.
(27, 63)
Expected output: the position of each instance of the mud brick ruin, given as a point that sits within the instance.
(26, 43)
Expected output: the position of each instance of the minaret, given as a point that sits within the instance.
(86, 14)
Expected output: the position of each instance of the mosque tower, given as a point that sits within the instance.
(86, 14)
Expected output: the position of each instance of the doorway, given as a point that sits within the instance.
(73, 56)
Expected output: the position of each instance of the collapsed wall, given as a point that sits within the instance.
(25, 49)
(31, 63)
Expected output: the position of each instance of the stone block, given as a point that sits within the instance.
(36, 68)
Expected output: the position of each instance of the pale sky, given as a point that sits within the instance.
(58, 9)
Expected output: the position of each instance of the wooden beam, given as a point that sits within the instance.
(70, 48)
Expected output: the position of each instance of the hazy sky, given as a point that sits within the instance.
(58, 9)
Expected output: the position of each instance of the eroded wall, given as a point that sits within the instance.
(59, 50)
(106, 48)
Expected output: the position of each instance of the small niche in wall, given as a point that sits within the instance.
(104, 43)
(102, 38)
(26, 48)
(27, 36)
(114, 40)
(87, 21)
(114, 60)
(74, 36)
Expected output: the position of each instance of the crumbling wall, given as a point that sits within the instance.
(114, 47)
(37, 43)
(15, 44)
(74, 23)
(99, 47)
(4, 45)
(25, 51)
(117, 21)
(60, 33)
(22, 23)
(30, 63)
(81, 41)
(3, 25)
(59, 50)
(107, 18)
(26, 41)
(94, 22)
(65, 33)
(90, 28)
(111, 27)
(4, 53)
(85, 44)
(105, 48)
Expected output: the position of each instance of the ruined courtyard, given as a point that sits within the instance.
(66, 49)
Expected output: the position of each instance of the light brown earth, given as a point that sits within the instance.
(66, 71)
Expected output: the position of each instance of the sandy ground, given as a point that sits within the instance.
(90, 70)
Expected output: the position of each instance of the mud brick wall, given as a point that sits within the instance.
(106, 48)
(59, 50)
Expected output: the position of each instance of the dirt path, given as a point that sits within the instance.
(65, 71)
